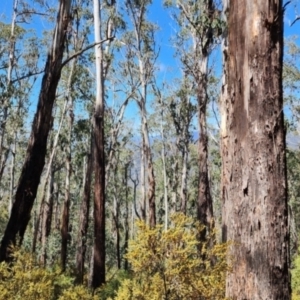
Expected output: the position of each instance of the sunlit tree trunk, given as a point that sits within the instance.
(98, 277)
(254, 186)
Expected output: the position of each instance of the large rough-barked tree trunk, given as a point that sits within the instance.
(205, 205)
(36, 151)
(254, 187)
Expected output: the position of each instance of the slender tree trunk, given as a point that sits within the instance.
(57, 206)
(84, 219)
(143, 183)
(149, 163)
(12, 173)
(47, 218)
(38, 229)
(135, 185)
(143, 202)
(36, 151)
(5, 154)
(114, 137)
(254, 186)
(183, 187)
(126, 221)
(143, 35)
(65, 236)
(7, 95)
(175, 181)
(117, 229)
(205, 205)
(98, 277)
(163, 158)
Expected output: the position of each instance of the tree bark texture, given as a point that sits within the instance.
(66, 207)
(150, 171)
(254, 187)
(205, 205)
(36, 151)
(84, 220)
(98, 277)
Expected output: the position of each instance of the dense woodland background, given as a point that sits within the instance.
(119, 137)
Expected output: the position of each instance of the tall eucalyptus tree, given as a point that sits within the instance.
(199, 24)
(100, 27)
(142, 55)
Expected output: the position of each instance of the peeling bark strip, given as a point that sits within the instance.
(36, 151)
(254, 187)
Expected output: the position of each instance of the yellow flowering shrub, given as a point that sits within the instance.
(172, 264)
(26, 279)
(296, 278)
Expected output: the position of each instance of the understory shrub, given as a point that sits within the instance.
(172, 264)
(26, 279)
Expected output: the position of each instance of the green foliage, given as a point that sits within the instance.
(25, 278)
(114, 281)
(172, 264)
(296, 278)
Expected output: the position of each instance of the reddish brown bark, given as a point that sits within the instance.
(84, 220)
(254, 187)
(36, 151)
(99, 201)
(98, 277)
